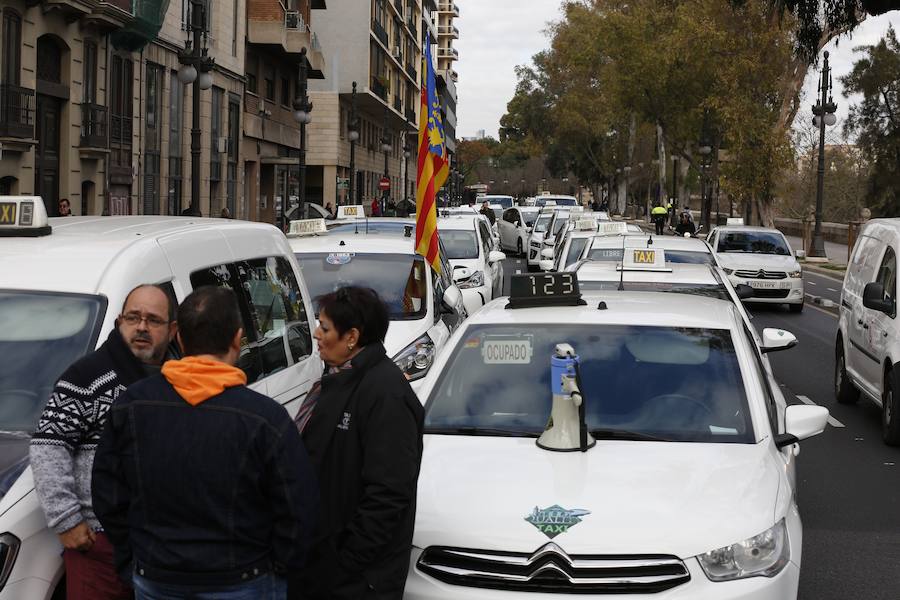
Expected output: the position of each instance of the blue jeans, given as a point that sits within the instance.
(265, 587)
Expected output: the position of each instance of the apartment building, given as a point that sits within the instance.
(446, 15)
(378, 45)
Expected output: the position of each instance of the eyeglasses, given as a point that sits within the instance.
(134, 319)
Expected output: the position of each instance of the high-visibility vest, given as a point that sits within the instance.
(658, 210)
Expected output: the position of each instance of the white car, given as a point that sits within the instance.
(679, 250)
(499, 200)
(633, 453)
(424, 307)
(571, 247)
(762, 258)
(514, 228)
(867, 346)
(83, 267)
(477, 267)
(558, 200)
(550, 222)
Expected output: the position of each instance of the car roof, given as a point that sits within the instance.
(458, 222)
(678, 273)
(746, 228)
(76, 255)
(666, 242)
(621, 308)
(373, 243)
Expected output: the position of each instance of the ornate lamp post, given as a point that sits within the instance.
(353, 134)
(303, 116)
(195, 69)
(823, 110)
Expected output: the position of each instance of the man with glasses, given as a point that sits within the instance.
(64, 444)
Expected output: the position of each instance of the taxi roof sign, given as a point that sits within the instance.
(307, 227)
(23, 216)
(612, 228)
(354, 211)
(586, 224)
(532, 290)
(732, 221)
(644, 259)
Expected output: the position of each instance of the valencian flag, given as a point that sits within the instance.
(433, 166)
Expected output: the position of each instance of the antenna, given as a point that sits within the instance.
(622, 268)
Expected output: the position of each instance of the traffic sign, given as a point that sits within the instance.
(384, 184)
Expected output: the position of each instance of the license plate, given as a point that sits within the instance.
(768, 285)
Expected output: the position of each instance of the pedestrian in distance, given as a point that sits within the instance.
(63, 447)
(329, 208)
(376, 207)
(202, 484)
(226, 214)
(362, 425)
(487, 212)
(65, 210)
(659, 215)
(685, 225)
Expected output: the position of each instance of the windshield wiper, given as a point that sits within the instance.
(469, 430)
(621, 434)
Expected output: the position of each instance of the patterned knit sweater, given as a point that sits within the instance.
(63, 446)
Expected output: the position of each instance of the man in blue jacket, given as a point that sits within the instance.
(203, 485)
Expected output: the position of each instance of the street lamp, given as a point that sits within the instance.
(303, 115)
(353, 134)
(823, 110)
(195, 69)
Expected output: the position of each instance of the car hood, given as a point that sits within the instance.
(680, 499)
(769, 262)
(401, 334)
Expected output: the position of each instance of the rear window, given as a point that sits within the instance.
(753, 242)
(694, 289)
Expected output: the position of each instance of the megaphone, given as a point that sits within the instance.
(566, 430)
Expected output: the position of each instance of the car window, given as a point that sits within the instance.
(576, 247)
(677, 383)
(528, 217)
(708, 290)
(887, 274)
(541, 223)
(460, 243)
(486, 239)
(754, 242)
(510, 215)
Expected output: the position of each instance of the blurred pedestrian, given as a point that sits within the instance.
(329, 208)
(376, 207)
(685, 225)
(65, 209)
(202, 484)
(488, 212)
(63, 446)
(226, 214)
(362, 426)
(659, 213)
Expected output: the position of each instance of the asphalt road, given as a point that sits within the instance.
(849, 492)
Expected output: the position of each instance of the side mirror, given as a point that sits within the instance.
(496, 256)
(547, 253)
(452, 298)
(801, 254)
(873, 298)
(546, 265)
(801, 421)
(743, 291)
(776, 340)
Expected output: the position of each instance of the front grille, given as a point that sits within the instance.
(551, 570)
(770, 293)
(761, 274)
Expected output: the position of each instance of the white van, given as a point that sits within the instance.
(83, 267)
(868, 339)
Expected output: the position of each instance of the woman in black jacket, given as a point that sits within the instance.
(363, 430)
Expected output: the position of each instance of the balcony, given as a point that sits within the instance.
(413, 29)
(451, 31)
(284, 31)
(398, 106)
(411, 71)
(448, 53)
(380, 33)
(448, 7)
(378, 88)
(148, 20)
(16, 112)
(94, 130)
(411, 116)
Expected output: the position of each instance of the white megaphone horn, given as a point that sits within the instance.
(566, 430)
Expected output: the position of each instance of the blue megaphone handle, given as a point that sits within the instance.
(560, 366)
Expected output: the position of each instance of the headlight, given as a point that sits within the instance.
(9, 550)
(416, 359)
(474, 281)
(763, 555)
(727, 270)
(796, 274)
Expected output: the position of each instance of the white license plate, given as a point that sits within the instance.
(769, 285)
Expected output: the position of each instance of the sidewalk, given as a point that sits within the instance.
(836, 253)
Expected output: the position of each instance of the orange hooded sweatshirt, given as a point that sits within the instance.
(199, 379)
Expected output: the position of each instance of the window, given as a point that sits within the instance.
(153, 139)
(12, 46)
(89, 93)
(486, 239)
(251, 70)
(215, 128)
(576, 247)
(272, 310)
(121, 110)
(887, 274)
(270, 82)
(286, 92)
(234, 115)
(206, 7)
(176, 117)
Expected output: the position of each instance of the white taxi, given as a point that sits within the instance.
(515, 226)
(424, 307)
(571, 246)
(762, 258)
(550, 222)
(635, 452)
(477, 267)
(82, 268)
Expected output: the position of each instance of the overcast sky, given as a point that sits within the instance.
(497, 35)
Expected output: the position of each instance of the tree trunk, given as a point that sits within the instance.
(663, 162)
(621, 191)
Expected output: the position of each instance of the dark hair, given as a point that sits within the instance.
(172, 303)
(358, 307)
(208, 319)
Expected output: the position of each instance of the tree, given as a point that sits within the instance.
(876, 120)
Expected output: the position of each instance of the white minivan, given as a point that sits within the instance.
(81, 268)
(867, 347)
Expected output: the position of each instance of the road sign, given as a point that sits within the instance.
(384, 184)
(343, 183)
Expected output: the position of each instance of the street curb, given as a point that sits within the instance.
(835, 275)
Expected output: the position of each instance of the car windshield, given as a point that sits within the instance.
(400, 279)
(529, 216)
(558, 201)
(753, 242)
(41, 334)
(710, 290)
(684, 257)
(561, 221)
(576, 247)
(504, 201)
(540, 225)
(459, 243)
(680, 384)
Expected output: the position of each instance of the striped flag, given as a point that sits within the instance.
(433, 167)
